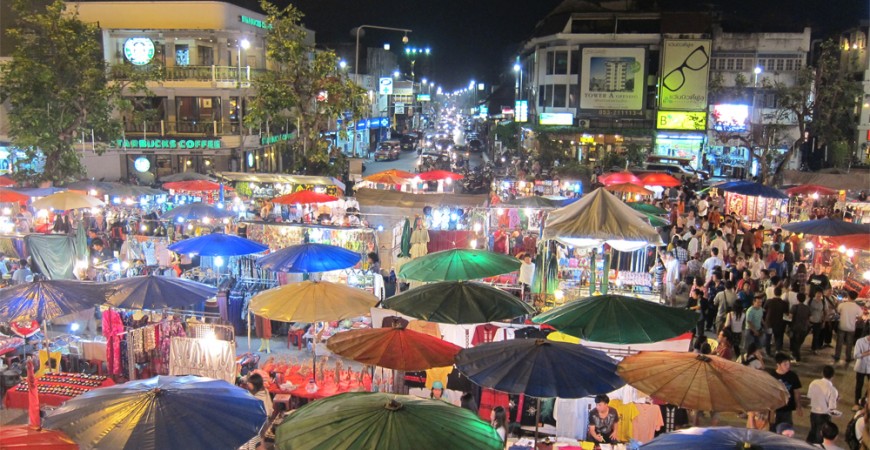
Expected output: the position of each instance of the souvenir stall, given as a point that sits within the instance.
(508, 188)
(193, 191)
(281, 235)
(270, 185)
(55, 388)
(291, 379)
(753, 202)
(810, 200)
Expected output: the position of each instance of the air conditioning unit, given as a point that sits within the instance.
(583, 123)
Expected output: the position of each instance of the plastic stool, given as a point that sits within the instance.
(295, 337)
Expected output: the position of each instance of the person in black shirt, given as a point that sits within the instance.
(792, 384)
(818, 281)
(602, 422)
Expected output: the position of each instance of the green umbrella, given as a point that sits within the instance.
(657, 221)
(458, 265)
(458, 302)
(362, 420)
(405, 245)
(647, 208)
(617, 319)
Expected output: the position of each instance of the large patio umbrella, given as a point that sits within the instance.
(25, 437)
(435, 175)
(659, 179)
(458, 265)
(10, 196)
(617, 319)
(45, 300)
(628, 188)
(308, 258)
(392, 176)
(194, 186)
(827, 227)
(393, 348)
(305, 197)
(196, 211)
(647, 208)
(218, 244)
(458, 302)
(363, 420)
(129, 190)
(657, 221)
(161, 413)
(619, 178)
(702, 382)
(725, 438)
(540, 368)
(88, 185)
(751, 189)
(809, 189)
(154, 292)
(66, 200)
(310, 301)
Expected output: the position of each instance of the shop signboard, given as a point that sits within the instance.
(385, 86)
(255, 22)
(556, 119)
(142, 164)
(139, 50)
(399, 108)
(681, 120)
(379, 122)
(521, 107)
(274, 139)
(685, 69)
(612, 78)
(730, 117)
(424, 98)
(169, 144)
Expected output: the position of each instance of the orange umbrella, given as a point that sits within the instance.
(619, 178)
(10, 196)
(392, 176)
(195, 186)
(659, 179)
(24, 437)
(304, 198)
(393, 348)
(434, 175)
(629, 188)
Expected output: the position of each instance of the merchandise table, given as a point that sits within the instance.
(56, 388)
(326, 388)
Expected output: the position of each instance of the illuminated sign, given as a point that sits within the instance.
(424, 98)
(255, 22)
(169, 144)
(267, 140)
(613, 78)
(142, 164)
(521, 107)
(679, 120)
(385, 86)
(684, 82)
(730, 117)
(556, 119)
(139, 50)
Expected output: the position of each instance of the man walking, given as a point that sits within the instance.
(862, 367)
(774, 311)
(672, 276)
(792, 384)
(823, 399)
(849, 312)
(800, 326)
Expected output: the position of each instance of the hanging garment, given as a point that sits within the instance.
(489, 399)
(112, 329)
(627, 413)
(648, 421)
(484, 334)
(572, 416)
(437, 374)
(264, 327)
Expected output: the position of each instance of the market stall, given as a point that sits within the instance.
(754, 202)
(269, 185)
(56, 388)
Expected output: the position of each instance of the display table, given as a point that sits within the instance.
(325, 388)
(56, 388)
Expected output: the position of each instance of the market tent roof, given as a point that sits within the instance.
(280, 178)
(856, 181)
(397, 204)
(600, 215)
(751, 189)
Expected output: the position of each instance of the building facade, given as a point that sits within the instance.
(853, 43)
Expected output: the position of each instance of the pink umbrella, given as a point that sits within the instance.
(434, 175)
(620, 178)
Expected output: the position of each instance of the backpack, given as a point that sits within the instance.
(850, 437)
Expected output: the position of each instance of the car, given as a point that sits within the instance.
(475, 145)
(409, 142)
(444, 144)
(684, 162)
(675, 170)
(388, 151)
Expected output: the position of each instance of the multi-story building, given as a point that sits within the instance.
(853, 43)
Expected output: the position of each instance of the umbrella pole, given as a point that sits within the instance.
(591, 271)
(47, 346)
(605, 274)
(249, 329)
(537, 420)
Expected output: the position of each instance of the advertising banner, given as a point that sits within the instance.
(681, 120)
(685, 69)
(613, 78)
(556, 119)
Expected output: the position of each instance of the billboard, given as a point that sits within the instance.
(729, 117)
(521, 109)
(556, 119)
(685, 69)
(613, 78)
(681, 120)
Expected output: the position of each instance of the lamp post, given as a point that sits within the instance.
(757, 71)
(376, 27)
(244, 44)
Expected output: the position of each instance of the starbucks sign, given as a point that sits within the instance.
(139, 51)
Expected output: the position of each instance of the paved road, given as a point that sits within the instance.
(408, 160)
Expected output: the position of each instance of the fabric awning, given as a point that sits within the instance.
(599, 216)
(398, 199)
(856, 181)
(280, 178)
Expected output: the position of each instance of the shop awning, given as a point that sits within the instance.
(280, 178)
(393, 204)
(855, 181)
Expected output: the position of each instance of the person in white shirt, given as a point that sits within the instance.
(720, 243)
(527, 272)
(22, 274)
(694, 245)
(711, 263)
(823, 399)
(849, 312)
(862, 367)
(703, 206)
(672, 276)
(756, 265)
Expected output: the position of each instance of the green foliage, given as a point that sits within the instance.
(836, 98)
(839, 154)
(298, 77)
(58, 88)
(507, 134)
(574, 170)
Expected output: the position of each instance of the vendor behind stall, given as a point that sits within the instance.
(602, 422)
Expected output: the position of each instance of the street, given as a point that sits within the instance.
(408, 160)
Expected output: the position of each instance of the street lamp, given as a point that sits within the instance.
(356, 53)
(396, 74)
(757, 72)
(244, 44)
(342, 64)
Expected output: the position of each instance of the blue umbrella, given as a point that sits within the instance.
(196, 211)
(156, 292)
(540, 368)
(725, 438)
(307, 258)
(45, 300)
(218, 244)
(827, 227)
(161, 413)
(751, 189)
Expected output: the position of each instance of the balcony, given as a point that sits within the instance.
(213, 74)
(188, 127)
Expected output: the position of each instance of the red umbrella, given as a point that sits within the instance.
(433, 175)
(619, 178)
(394, 348)
(304, 197)
(194, 186)
(659, 179)
(6, 181)
(10, 196)
(13, 437)
(808, 189)
(853, 241)
(32, 397)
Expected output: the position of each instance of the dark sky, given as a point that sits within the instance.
(476, 39)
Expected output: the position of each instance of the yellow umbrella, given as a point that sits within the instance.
(65, 200)
(312, 301)
(392, 176)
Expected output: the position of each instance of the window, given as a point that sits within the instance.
(574, 96)
(738, 64)
(575, 62)
(206, 55)
(771, 64)
(561, 63)
(551, 62)
(730, 64)
(548, 95)
(789, 64)
(559, 95)
(780, 64)
(182, 55)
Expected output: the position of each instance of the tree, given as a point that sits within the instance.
(58, 90)
(304, 86)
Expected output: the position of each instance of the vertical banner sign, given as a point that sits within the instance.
(613, 78)
(685, 71)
